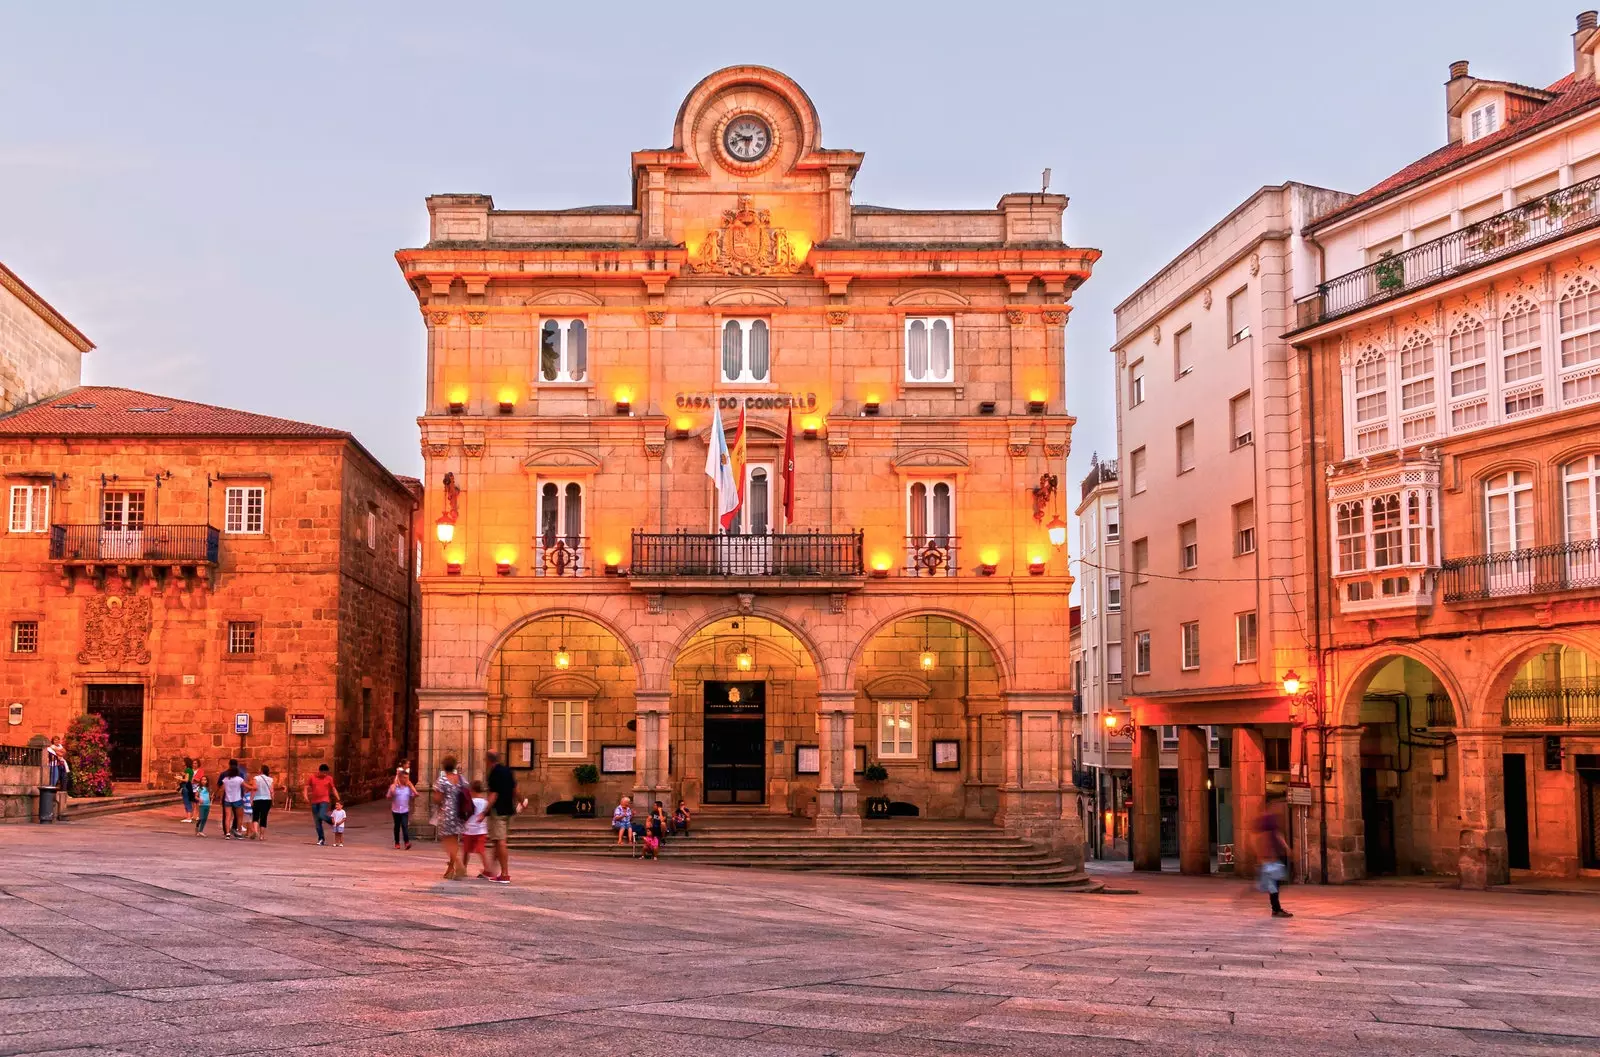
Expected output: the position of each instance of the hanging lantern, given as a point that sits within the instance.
(744, 660)
(1057, 531)
(563, 658)
(928, 660)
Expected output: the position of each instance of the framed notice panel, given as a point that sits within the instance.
(519, 753)
(861, 759)
(947, 756)
(807, 759)
(616, 759)
(306, 725)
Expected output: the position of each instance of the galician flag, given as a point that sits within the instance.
(719, 469)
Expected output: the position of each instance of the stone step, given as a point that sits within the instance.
(100, 806)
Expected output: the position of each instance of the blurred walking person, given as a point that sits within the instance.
(1273, 851)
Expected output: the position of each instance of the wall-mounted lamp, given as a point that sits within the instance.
(880, 567)
(1036, 565)
(1057, 531)
(986, 407)
(927, 660)
(812, 427)
(452, 568)
(503, 567)
(1043, 492)
(458, 407)
(987, 568)
(870, 405)
(445, 527)
(744, 660)
(445, 530)
(624, 405)
(1035, 407)
(507, 406)
(683, 426)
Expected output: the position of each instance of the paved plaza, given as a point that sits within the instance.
(126, 936)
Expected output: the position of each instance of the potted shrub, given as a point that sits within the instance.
(89, 755)
(877, 804)
(1390, 271)
(587, 774)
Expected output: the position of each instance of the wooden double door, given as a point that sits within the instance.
(121, 705)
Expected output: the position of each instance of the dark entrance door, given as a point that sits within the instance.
(122, 707)
(1516, 771)
(1377, 817)
(736, 743)
(1589, 809)
(1169, 813)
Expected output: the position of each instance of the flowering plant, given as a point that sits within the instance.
(89, 756)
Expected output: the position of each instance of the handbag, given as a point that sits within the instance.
(464, 808)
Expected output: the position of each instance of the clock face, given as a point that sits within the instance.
(746, 138)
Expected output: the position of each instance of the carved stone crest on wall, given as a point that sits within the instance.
(655, 316)
(1015, 316)
(115, 630)
(476, 318)
(1054, 316)
(746, 244)
(838, 317)
(439, 318)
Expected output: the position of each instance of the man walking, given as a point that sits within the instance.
(503, 804)
(320, 794)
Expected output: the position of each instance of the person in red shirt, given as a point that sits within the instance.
(320, 794)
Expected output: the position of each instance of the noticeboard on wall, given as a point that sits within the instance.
(807, 759)
(947, 756)
(519, 753)
(307, 725)
(617, 759)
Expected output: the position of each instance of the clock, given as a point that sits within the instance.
(746, 138)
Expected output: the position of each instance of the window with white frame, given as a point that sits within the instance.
(1350, 535)
(1188, 545)
(1091, 591)
(560, 513)
(746, 354)
(1238, 316)
(1183, 352)
(1185, 436)
(1469, 365)
(1417, 390)
(1240, 425)
(1521, 358)
(1113, 524)
(563, 350)
(1580, 491)
(242, 636)
(1482, 121)
(1141, 653)
(1136, 470)
(1244, 637)
(122, 511)
(897, 730)
(1169, 737)
(569, 729)
(1422, 547)
(1385, 531)
(930, 512)
(754, 516)
(1578, 313)
(1113, 592)
(400, 547)
(1191, 645)
(24, 636)
(1372, 402)
(1114, 662)
(30, 508)
(929, 355)
(245, 510)
(1244, 527)
(1136, 383)
(1508, 511)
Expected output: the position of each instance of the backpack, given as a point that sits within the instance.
(464, 808)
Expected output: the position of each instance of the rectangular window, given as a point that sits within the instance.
(1191, 645)
(897, 730)
(1351, 535)
(1113, 524)
(1114, 662)
(1141, 653)
(1372, 391)
(1136, 470)
(1508, 504)
(24, 636)
(1244, 628)
(1169, 738)
(1183, 352)
(563, 350)
(1277, 753)
(1186, 447)
(569, 731)
(1136, 383)
(1388, 532)
(929, 356)
(1482, 121)
(746, 356)
(1240, 425)
(1238, 316)
(1469, 367)
(245, 510)
(1416, 375)
(1141, 559)
(122, 511)
(1244, 527)
(1188, 545)
(241, 636)
(1113, 593)
(400, 547)
(30, 508)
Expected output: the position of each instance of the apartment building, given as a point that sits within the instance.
(1106, 754)
(1211, 495)
(1453, 349)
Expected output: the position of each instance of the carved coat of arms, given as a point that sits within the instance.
(115, 630)
(746, 244)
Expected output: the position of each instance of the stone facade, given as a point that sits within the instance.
(830, 610)
(40, 352)
(195, 615)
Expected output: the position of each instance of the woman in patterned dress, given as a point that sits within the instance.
(447, 821)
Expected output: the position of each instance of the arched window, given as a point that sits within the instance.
(1508, 510)
(746, 353)
(1579, 315)
(1521, 357)
(1372, 401)
(928, 353)
(1417, 390)
(1469, 371)
(1580, 482)
(561, 543)
(563, 350)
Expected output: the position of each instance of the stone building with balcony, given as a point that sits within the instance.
(185, 571)
(1453, 350)
(888, 591)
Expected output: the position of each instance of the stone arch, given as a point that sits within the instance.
(1505, 668)
(929, 297)
(564, 297)
(746, 296)
(758, 76)
(1348, 711)
(1002, 659)
(821, 659)
(577, 612)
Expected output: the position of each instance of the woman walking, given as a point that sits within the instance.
(185, 779)
(261, 805)
(401, 793)
(454, 808)
(232, 802)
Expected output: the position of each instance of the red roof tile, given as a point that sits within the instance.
(1571, 94)
(101, 410)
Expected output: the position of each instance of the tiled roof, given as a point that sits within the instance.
(102, 410)
(1571, 96)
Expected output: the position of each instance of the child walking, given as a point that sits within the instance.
(337, 818)
(475, 834)
(202, 796)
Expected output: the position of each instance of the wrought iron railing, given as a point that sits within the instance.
(932, 556)
(563, 556)
(1441, 713)
(1534, 222)
(1559, 567)
(1568, 705)
(151, 543)
(21, 756)
(794, 555)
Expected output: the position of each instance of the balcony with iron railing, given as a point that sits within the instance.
(1571, 566)
(563, 556)
(1535, 222)
(1572, 703)
(145, 545)
(796, 559)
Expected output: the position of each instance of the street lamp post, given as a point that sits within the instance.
(1309, 698)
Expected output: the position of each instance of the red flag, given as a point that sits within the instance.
(788, 471)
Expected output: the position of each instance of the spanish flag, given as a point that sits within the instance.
(736, 457)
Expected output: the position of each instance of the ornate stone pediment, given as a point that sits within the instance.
(567, 684)
(931, 459)
(897, 685)
(929, 295)
(564, 296)
(746, 295)
(746, 243)
(569, 461)
(115, 630)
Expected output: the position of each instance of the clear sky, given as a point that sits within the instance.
(213, 193)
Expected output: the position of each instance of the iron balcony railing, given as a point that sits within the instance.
(1560, 567)
(21, 756)
(931, 556)
(563, 556)
(795, 555)
(1569, 705)
(1533, 223)
(172, 544)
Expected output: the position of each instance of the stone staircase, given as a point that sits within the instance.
(122, 800)
(925, 850)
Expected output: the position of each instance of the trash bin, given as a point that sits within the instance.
(47, 803)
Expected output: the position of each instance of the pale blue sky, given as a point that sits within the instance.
(213, 193)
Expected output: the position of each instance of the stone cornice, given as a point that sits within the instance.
(41, 308)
